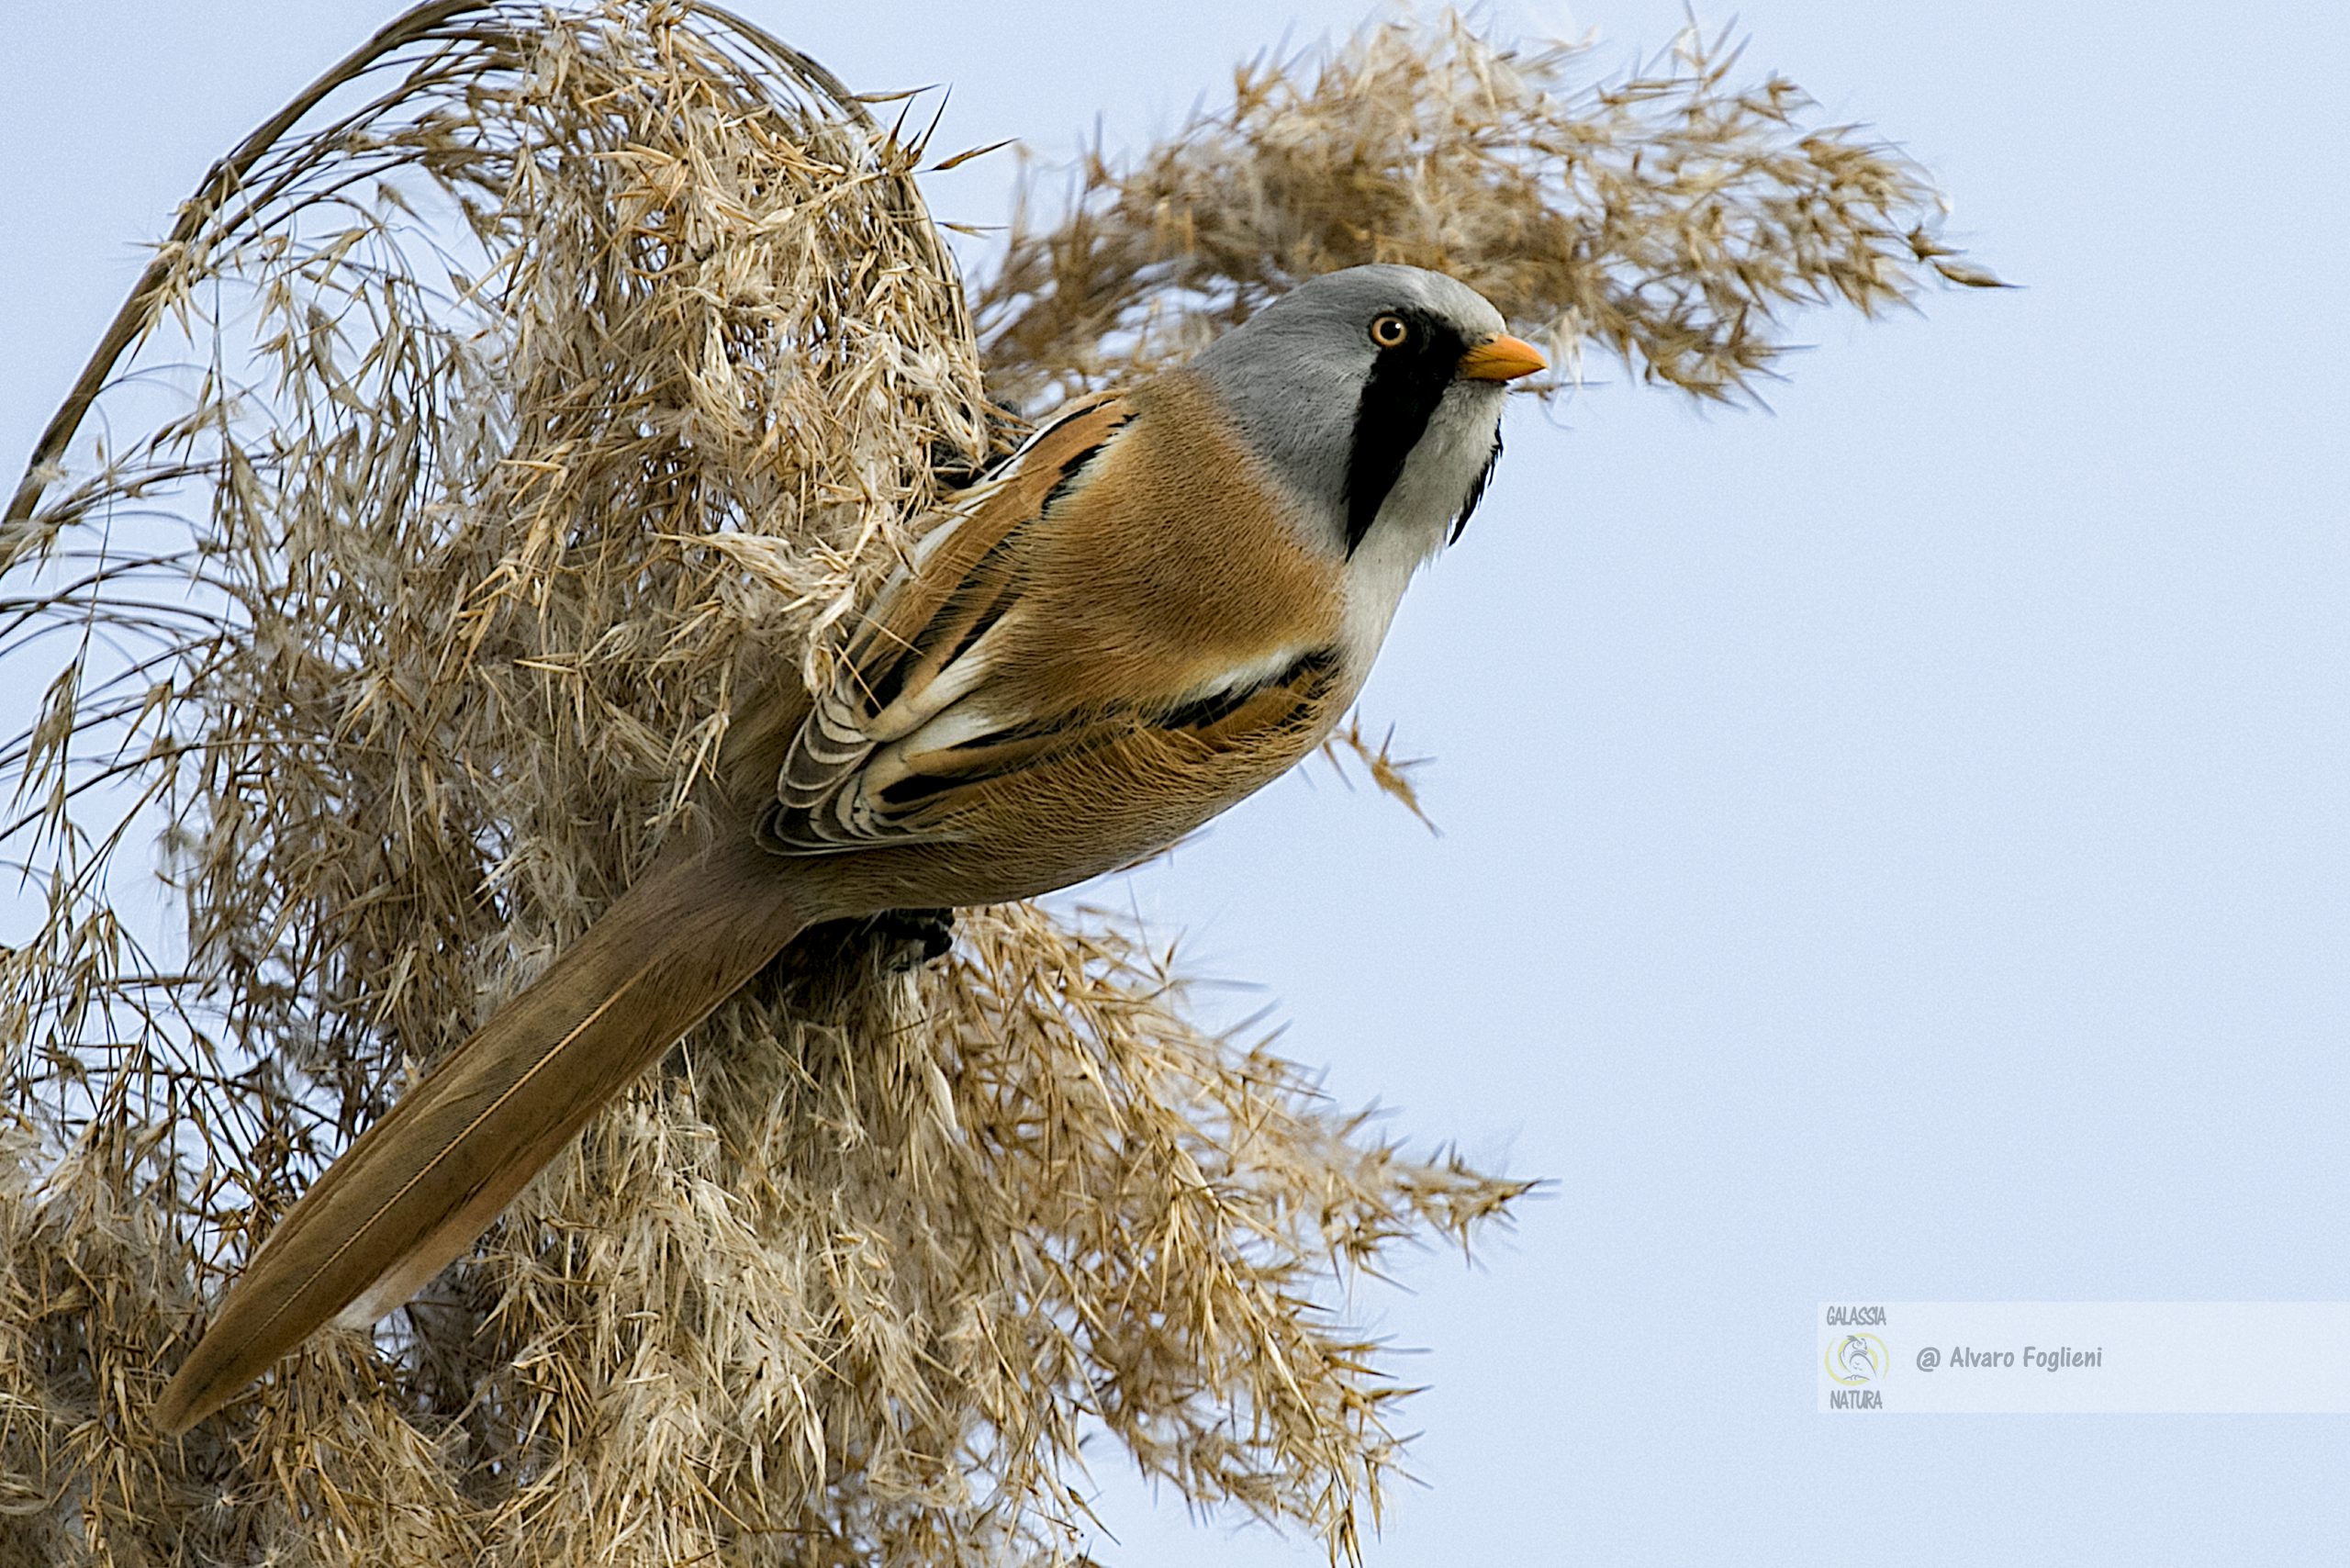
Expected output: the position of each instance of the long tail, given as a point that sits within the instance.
(419, 1186)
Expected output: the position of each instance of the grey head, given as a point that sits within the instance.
(1375, 395)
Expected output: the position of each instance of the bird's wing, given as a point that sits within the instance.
(925, 793)
(894, 674)
(937, 704)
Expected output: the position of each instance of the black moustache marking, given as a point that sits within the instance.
(1405, 384)
(1477, 488)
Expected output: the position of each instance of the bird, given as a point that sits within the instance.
(1154, 606)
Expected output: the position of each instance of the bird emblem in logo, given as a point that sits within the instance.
(1858, 1359)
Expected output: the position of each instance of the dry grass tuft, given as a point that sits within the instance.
(1672, 216)
(543, 371)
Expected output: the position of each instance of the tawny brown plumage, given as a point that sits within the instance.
(1136, 622)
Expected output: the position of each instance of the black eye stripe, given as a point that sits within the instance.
(1406, 382)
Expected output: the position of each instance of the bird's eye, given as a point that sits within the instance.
(1389, 332)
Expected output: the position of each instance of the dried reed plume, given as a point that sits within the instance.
(543, 371)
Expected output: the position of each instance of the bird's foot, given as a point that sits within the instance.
(914, 936)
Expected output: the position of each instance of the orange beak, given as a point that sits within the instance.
(1502, 358)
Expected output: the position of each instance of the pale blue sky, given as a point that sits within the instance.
(1895, 846)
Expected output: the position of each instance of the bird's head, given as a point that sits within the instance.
(1374, 395)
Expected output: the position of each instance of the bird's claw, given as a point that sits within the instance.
(928, 933)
